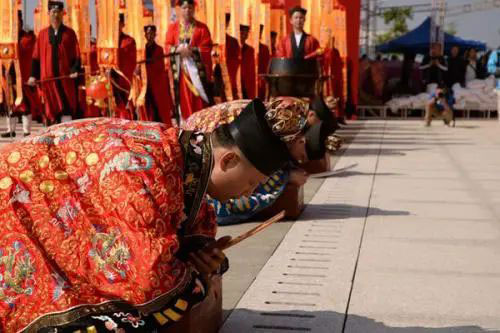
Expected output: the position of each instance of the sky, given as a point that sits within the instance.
(483, 26)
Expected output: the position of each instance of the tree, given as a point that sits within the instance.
(396, 17)
(451, 28)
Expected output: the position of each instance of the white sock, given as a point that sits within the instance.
(11, 124)
(27, 123)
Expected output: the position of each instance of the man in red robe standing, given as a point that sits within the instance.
(91, 111)
(264, 60)
(334, 64)
(158, 100)
(30, 105)
(192, 66)
(274, 37)
(56, 62)
(298, 44)
(233, 59)
(127, 61)
(248, 75)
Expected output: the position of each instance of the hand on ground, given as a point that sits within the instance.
(298, 177)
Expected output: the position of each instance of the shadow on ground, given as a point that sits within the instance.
(343, 211)
(246, 321)
(345, 174)
(377, 151)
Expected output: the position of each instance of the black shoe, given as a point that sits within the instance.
(27, 134)
(8, 135)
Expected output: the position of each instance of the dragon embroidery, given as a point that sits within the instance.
(16, 273)
(127, 161)
(110, 254)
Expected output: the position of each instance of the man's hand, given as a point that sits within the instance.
(184, 51)
(73, 75)
(31, 82)
(208, 259)
(298, 177)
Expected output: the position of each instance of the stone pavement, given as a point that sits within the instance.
(404, 238)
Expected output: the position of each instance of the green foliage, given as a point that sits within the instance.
(396, 18)
(451, 28)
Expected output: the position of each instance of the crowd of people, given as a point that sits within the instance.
(386, 78)
(109, 223)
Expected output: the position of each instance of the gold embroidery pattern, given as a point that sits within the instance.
(46, 175)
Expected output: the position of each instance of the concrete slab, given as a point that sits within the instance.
(435, 270)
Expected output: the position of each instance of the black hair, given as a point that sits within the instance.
(222, 137)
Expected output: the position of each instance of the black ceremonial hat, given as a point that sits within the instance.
(297, 9)
(256, 140)
(181, 2)
(316, 140)
(56, 5)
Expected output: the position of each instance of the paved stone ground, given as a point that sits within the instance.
(405, 239)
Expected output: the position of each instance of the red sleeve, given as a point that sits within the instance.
(248, 75)
(264, 58)
(36, 49)
(171, 39)
(26, 48)
(77, 46)
(205, 223)
(315, 44)
(281, 50)
(133, 54)
(205, 47)
(127, 57)
(76, 63)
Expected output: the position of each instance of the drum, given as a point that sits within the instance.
(293, 77)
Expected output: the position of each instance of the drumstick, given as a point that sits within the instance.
(254, 231)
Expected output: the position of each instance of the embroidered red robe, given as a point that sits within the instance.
(264, 60)
(200, 39)
(158, 100)
(91, 213)
(127, 61)
(31, 103)
(248, 75)
(57, 55)
(288, 48)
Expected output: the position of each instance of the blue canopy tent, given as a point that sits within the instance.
(417, 41)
